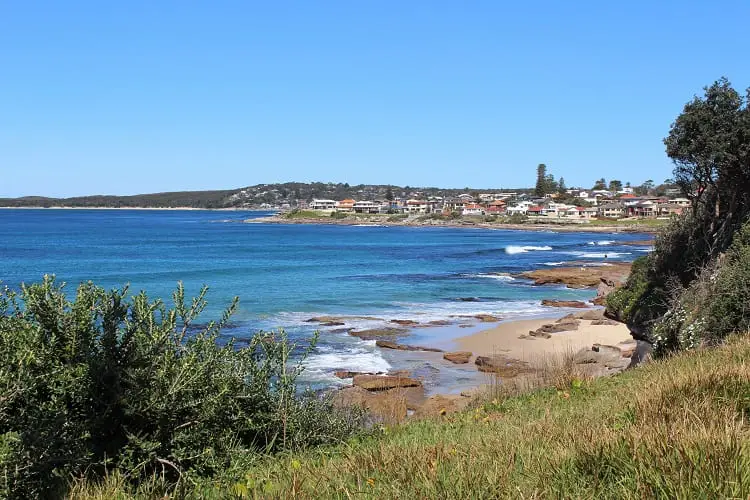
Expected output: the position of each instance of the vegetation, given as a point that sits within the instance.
(112, 384)
(686, 436)
(692, 290)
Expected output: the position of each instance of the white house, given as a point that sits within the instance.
(366, 207)
(417, 206)
(322, 205)
(473, 209)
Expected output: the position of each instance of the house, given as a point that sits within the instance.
(318, 204)
(646, 208)
(683, 202)
(473, 209)
(366, 207)
(611, 210)
(534, 211)
(496, 207)
(417, 206)
(454, 204)
(588, 212)
(345, 205)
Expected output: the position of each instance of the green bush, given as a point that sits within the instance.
(112, 382)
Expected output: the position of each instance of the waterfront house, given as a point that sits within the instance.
(496, 207)
(418, 206)
(320, 204)
(366, 207)
(613, 210)
(345, 205)
(473, 209)
(534, 211)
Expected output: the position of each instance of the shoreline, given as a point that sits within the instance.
(569, 227)
(227, 209)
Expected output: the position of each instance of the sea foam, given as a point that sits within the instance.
(516, 249)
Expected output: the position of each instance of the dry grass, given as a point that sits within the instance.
(673, 429)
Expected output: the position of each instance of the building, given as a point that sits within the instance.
(418, 206)
(534, 211)
(496, 207)
(318, 204)
(366, 207)
(473, 209)
(345, 205)
(611, 210)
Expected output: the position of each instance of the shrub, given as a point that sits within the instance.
(110, 381)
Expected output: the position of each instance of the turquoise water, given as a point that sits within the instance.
(285, 274)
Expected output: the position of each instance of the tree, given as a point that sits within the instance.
(601, 184)
(551, 185)
(615, 186)
(561, 187)
(541, 180)
(389, 194)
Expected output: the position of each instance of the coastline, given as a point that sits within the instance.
(569, 227)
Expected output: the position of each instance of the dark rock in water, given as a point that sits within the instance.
(487, 318)
(468, 299)
(378, 333)
(339, 330)
(459, 358)
(405, 322)
(333, 323)
(384, 382)
(501, 365)
(387, 344)
(439, 322)
(350, 374)
(564, 303)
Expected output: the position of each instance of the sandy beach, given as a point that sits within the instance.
(504, 339)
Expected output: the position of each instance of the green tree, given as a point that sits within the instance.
(389, 194)
(551, 184)
(615, 186)
(601, 184)
(541, 180)
(561, 187)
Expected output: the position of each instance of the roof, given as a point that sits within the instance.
(534, 209)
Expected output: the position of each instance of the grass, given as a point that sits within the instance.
(647, 223)
(675, 428)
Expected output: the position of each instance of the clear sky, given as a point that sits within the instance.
(125, 97)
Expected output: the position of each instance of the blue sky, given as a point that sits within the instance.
(144, 96)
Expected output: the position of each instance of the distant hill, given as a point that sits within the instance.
(258, 196)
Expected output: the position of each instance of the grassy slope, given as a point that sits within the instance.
(673, 429)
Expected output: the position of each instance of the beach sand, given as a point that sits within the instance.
(504, 339)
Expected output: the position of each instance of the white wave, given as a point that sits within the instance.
(362, 358)
(515, 249)
(498, 277)
(553, 263)
(599, 255)
(602, 243)
(646, 250)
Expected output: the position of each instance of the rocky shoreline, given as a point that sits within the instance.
(602, 347)
(555, 226)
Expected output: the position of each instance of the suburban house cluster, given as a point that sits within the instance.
(596, 204)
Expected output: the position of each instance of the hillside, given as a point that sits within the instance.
(686, 436)
(257, 196)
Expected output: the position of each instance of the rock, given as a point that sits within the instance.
(628, 348)
(563, 325)
(439, 322)
(459, 358)
(377, 333)
(333, 323)
(399, 373)
(387, 344)
(540, 334)
(642, 354)
(608, 322)
(638, 243)
(388, 406)
(564, 303)
(330, 319)
(441, 405)
(592, 315)
(405, 322)
(349, 374)
(501, 365)
(607, 356)
(468, 299)
(487, 318)
(579, 277)
(568, 318)
(383, 382)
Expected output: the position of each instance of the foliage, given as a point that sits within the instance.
(113, 382)
(541, 180)
(687, 298)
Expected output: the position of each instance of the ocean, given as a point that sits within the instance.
(286, 274)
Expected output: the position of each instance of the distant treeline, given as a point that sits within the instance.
(252, 196)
